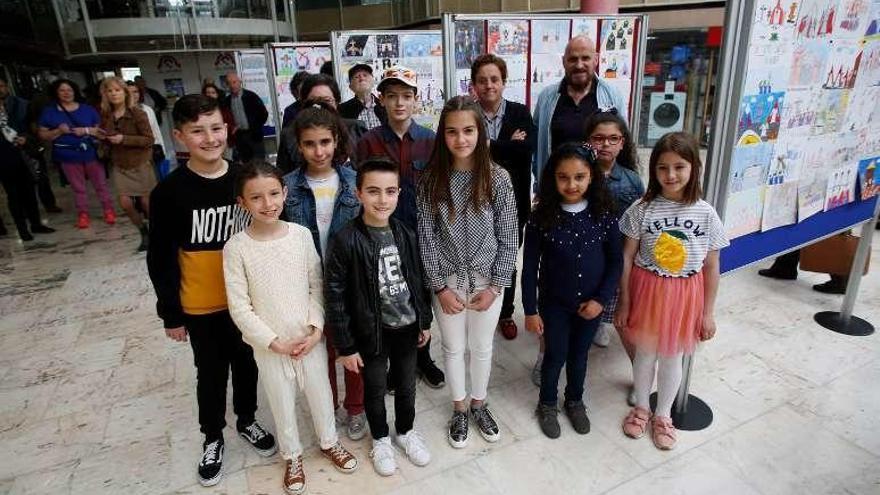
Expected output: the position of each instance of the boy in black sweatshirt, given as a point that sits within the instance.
(193, 213)
(377, 304)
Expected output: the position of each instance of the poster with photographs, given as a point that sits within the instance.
(421, 51)
(290, 59)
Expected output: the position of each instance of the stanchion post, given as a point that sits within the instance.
(844, 322)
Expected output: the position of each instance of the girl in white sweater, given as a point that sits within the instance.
(273, 283)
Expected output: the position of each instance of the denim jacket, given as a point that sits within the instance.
(625, 186)
(299, 207)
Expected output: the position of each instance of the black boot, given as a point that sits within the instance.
(784, 267)
(145, 238)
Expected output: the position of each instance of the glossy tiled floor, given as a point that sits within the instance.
(94, 399)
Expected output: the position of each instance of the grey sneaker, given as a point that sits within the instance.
(357, 426)
(547, 420)
(536, 372)
(577, 414)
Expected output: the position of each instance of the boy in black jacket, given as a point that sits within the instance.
(193, 213)
(376, 302)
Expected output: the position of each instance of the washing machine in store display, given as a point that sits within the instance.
(666, 114)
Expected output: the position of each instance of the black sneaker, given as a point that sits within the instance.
(458, 429)
(261, 440)
(577, 414)
(547, 420)
(211, 465)
(432, 375)
(486, 424)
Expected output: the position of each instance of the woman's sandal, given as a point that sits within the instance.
(636, 422)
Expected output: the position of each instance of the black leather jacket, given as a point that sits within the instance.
(351, 286)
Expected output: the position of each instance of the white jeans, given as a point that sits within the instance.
(468, 330)
(278, 374)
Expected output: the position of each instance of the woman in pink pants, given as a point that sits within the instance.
(73, 129)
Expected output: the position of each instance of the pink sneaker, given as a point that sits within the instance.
(636, 422)
(663, 433)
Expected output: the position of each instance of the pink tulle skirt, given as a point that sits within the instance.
(666, 313)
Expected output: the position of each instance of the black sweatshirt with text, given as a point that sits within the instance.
(191, 218)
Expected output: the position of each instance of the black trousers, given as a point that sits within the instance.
(217, 347)
(20, 192)
(398, 349)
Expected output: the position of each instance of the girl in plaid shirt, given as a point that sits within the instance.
(468, 237)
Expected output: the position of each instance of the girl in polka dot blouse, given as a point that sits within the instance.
(571, 266)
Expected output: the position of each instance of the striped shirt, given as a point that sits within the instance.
(480, 242)
(674, 238)
(493, 124)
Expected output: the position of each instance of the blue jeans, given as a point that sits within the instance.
(567, 340)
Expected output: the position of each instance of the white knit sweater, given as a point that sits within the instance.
(274, 287)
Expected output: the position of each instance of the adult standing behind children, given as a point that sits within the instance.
(71, 126)
(563, 108)
(512, 136)
(409, 145)
(250, 115)
(126, 131)
(364, 105)
(375, 258)
(193, 214)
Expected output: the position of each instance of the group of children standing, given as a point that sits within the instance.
(370, 253)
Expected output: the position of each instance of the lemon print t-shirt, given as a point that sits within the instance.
(675, 237)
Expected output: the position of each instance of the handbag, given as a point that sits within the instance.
(85, 142)
(834, 255)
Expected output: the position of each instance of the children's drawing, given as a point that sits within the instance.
(517, 74)
(508, 37)
(749, 166)
(421, 45)
(815, 20)
(358, 46)
(869, 183)
(852, 19)
(873, 19)
(831, 106)
(550, 36)
(843, 65)
(469, 43)
(759, 118)
(808, 62)
(780, 206)
(585, 27)
(785, 163)
(545, 70)
(799, 116)
(813, 181)
(869, 65)
(742, 213)
(841, 189)
(863, 116)
(387, 46)
(616, 48)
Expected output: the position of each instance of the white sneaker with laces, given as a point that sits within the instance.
(414, 445)
(383, 457)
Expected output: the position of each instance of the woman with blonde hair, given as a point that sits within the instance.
(129, 139)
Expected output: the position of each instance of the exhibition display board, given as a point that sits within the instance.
(284, 61)
(254, 73)
(793, 159)
(420, 51)
(532, 45)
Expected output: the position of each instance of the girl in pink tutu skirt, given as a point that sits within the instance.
(669, 282)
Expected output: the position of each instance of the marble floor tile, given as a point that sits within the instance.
(785, 452)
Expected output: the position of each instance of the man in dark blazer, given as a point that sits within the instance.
(250, 114)
(512, 136)
(364, 106)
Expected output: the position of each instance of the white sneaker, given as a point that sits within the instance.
(603, 335)
(414, 445)
(383, 457)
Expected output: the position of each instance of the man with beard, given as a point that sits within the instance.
(563, 108)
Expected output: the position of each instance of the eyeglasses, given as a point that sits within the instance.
(599, 140)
